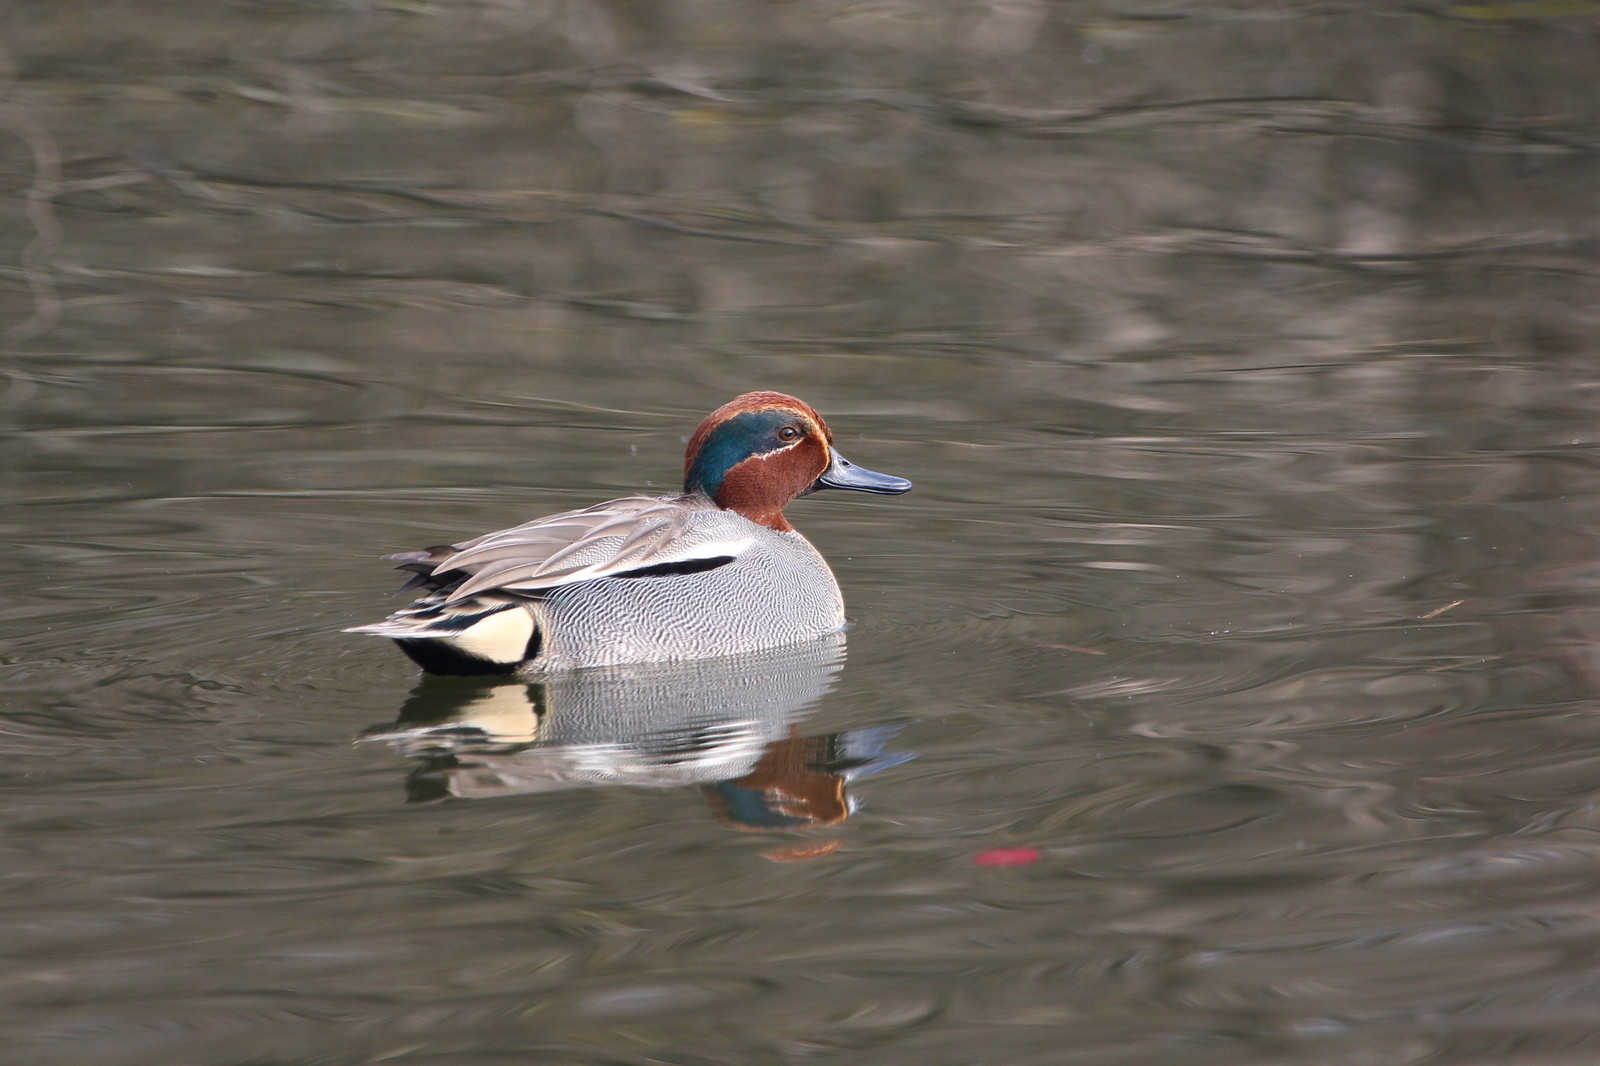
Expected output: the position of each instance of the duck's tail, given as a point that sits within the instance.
(475, 636)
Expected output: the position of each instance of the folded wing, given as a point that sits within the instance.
(611, 539)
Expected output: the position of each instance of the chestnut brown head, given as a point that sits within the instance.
(758, 451)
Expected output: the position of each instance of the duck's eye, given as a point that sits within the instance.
(788, 433)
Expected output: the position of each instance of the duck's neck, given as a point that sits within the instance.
(771, 519)
(758, 489)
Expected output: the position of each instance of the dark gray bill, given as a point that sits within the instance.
(843, 474)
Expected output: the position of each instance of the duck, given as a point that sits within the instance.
(716, 570)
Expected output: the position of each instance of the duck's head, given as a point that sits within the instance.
(758, 451)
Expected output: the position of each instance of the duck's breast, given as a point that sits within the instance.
(778, 590)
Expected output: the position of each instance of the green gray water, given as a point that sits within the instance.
(1244, 358)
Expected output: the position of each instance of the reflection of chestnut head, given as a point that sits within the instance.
(799, 782)
(791, 787)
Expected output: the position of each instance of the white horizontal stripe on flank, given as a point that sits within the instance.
(608, 568)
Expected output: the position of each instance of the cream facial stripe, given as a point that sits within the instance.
(775, 451)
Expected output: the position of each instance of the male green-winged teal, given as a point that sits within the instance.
(714, 571)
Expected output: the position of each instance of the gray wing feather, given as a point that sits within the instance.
(600, 541)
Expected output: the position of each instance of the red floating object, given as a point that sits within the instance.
(1018, 856)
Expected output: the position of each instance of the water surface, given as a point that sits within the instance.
(1222, 694)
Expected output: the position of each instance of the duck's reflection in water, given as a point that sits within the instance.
(727, 725)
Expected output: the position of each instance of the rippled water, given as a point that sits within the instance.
(1222, 694)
